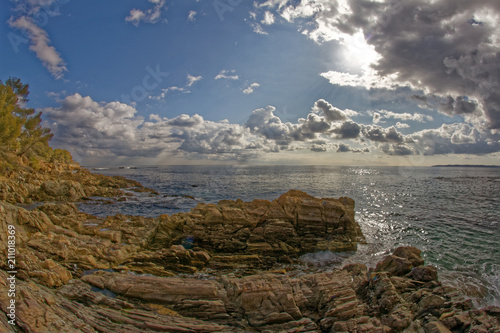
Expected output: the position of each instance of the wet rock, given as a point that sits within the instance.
(401, 261)
(424, 273)
(412, 254)
(431, 302)
(395, 265)
(174, 259)
(294, 224)
(436, 327)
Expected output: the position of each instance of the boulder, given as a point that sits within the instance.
(436, 327)
(401, 261)
(424, 273)
(294, 224)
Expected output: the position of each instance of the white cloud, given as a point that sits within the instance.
(192, 15)
(380, 116)
(152, 15)
(40, 44)
(88, 128)
(192, 79)
(250, 89)
(458, 138)
(402, 125)
(257, 28)
(330, 112)
(268, 18)
(227, 74)
(369, 79)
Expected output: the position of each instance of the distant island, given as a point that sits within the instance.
(465, 166)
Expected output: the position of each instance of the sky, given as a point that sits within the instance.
(335, 82)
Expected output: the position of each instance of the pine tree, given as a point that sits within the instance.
(20, 128)
(10, 123)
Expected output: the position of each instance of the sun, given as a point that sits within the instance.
(358, 54)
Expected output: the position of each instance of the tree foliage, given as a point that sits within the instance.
(21, 130)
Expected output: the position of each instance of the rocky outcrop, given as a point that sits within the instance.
(227, 267)
(63, 184)
(229, 235)
(348, 300)
(261, 233)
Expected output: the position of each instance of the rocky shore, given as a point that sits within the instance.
(226, 267)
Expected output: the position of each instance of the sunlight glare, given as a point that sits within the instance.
(358, 54)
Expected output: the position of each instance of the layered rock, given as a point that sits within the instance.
(261, 233)
(80, 273)
(348, 300)
(64, 183)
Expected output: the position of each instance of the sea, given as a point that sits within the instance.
(451, 213)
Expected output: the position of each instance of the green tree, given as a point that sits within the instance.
(20, 128)
(10, 123)
(62, 156)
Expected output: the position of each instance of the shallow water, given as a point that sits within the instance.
(450, 213)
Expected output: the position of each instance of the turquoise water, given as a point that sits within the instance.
(451, 213)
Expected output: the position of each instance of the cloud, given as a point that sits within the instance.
(380, 116)
(250, 89)
(265, 123)
(348, 130)
(440, 48)
(402, 125)
(458, 138)
(227, 74)
(185, 120)
(268, 18)
(343, 148)
(257, 28)
(458, 105)
(398, 149)
(192, 79)
(152, 15)
(89, 129)
(318, 148)
(379, 134)
(331, 113)
(192, 16)
(368, 80)
(40, 42)
(98, 129)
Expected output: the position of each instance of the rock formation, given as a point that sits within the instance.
(226, 267)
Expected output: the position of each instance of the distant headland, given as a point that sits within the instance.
(465, 166)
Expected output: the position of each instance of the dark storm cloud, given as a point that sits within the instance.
(460, 105)
(348, 130)
(435, 47)
(441, 47)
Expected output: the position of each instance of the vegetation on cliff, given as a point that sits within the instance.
(31, 170)
(23, 139)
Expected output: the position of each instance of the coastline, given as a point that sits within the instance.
(87, 265)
